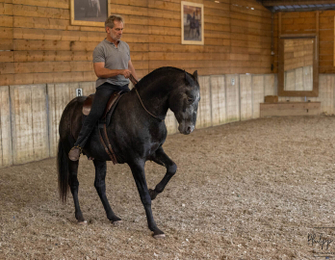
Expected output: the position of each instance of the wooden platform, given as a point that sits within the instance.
(290, 109)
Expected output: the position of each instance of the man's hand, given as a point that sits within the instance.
(126, 73)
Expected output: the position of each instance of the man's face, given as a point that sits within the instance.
(116, 32)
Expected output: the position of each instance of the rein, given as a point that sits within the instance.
(134, 81)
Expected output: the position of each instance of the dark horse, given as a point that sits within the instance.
(137, 132)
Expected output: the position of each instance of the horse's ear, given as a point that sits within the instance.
(188, 78)
(195, 75)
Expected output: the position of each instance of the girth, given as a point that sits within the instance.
(104, 120)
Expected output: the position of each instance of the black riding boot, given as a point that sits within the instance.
(84, 134)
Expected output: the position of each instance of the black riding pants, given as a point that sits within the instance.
(102, 95)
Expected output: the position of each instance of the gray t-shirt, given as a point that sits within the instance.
(114, 58)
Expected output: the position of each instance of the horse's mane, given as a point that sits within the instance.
(160, 70)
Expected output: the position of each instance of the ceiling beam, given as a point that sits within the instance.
(295, 2)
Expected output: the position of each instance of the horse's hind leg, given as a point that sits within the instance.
(161, 158)
(74, 186)
(100, 186)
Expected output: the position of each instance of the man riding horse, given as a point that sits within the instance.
(113, 67)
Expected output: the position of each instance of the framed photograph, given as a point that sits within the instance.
(89, 12)
(192, 23)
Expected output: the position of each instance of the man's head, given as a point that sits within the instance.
(114, 27)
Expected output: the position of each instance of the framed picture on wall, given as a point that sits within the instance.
(89, 12)
(192, 23)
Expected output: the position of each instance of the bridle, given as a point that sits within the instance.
(134, 81)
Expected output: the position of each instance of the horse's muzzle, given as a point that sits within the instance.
(185, 129)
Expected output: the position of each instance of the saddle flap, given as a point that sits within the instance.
(88, 104)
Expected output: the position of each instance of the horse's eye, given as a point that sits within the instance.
(190, 100)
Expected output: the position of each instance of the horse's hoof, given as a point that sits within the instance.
(82, 223)
(153, 194)
(117, 222)
(159, 236)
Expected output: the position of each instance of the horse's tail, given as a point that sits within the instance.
(63, 171)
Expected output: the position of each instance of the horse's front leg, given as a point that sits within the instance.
(161, 158)
(137, 169)
(100, 186)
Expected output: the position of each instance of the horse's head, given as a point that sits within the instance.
(184, 101)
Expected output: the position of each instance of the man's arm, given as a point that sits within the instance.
(102, 72)
(132, 69)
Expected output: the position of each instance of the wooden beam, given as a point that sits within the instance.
(295, 2)
(290, 109)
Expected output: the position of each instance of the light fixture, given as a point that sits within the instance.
(217, 2)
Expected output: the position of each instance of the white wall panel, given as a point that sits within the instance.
(257, 94)
(270, 85)
(29, 123)
(204, 118)
(232, 97)
(5, 128)
(218, 100)
(29, 126)
(246, 96)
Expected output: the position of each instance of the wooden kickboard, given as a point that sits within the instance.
(290, 109)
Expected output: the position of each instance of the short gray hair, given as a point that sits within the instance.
(110, 20)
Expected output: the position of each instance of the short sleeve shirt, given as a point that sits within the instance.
(114, 58)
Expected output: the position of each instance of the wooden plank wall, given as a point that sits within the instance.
(298, 53)
(305, 23)
(298, 64)
(39, 45)
(6, 42)
(250, 46)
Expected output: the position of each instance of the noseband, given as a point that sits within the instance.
(134, 81)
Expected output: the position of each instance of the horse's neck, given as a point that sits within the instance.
(155, 95)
